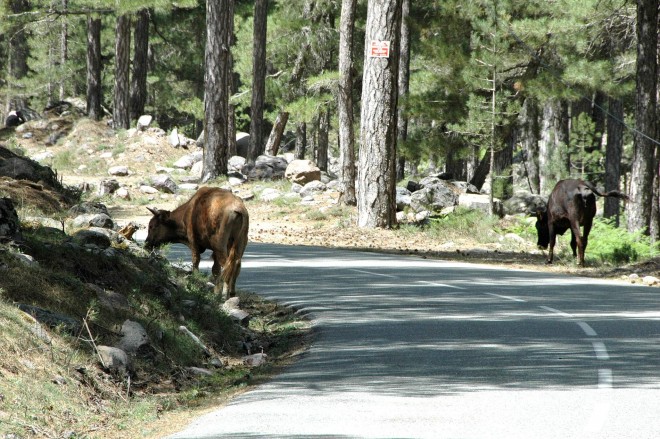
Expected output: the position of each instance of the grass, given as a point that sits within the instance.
(57, 388)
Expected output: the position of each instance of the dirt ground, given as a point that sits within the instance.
(91, 148)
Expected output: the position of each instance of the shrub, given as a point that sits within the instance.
(615, 245)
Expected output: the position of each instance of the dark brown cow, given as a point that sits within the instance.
(214, 219)
(571, 204)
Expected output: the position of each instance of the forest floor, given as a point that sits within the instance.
(89, 148)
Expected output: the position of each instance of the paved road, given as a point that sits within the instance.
(413, 348)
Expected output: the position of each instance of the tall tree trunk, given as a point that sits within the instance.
(231, 89)
(404, 81)
(301, 141)
(553, 151)
(216, 99)
(376, 198)
(598, 117)
(121, 112)
(140, 64)
(94, 86)
(275, 138)
(643, 162)
(18, 56)
(64, 49)
(613, 154)
(258, 81)
(528, 133)
(322, 141)
(345, 104)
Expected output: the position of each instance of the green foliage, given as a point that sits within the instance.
(461, 224)
(585, 158)
(614, 245)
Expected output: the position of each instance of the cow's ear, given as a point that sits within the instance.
(153, 210)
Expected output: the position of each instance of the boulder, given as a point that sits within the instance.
(481, 202)
(524, 202)
(312, 188)
(134, 336)
(114, 360)
(143, 122)
(266, 167)
(119, 171)
(94, 220)
(164, 183)
(434, 196)
(302, 172)
(94, 238)
(402, 198)
(10, 226)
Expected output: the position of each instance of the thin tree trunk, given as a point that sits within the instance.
(345, 104)
(231, 109)
(140, 64)
(64, 49)
(18, 57)
(322, 142)
(216, 99)
(553, 153)
(258, 81)
(376, 198)
(301, 141)
(613, 154)
(404, 81)
(94, 87)
(121, 111)
(275, 138)
(643, 162)
(528, 133)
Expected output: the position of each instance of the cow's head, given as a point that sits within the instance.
(542, 229)
(161, 229)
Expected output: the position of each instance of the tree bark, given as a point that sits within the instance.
(345, 104)
(553, 152)
(613, 154)
(140, 64)
(643, 162)
(404, 81)
(18, 53)
(376, 197)
(64, 48)
(216, 99)
(528, 133)
(231, 89)
(256, 145)
(121, 111)
(322, 142)
(94, 87)
(301, 141)
(275, 138)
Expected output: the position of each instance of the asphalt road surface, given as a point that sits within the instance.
(412, 348)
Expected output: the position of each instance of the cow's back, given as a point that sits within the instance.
(209, 212)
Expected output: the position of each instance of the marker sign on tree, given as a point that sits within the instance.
(379, 49)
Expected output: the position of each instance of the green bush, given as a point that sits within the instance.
(615, 245)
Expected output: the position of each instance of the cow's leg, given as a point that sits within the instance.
(195, 258)
(217, 264)
(573, 244)
(585, 238)
(579, 243)
(551, 244)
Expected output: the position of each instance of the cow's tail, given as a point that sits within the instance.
(615, 194)
(235, 252)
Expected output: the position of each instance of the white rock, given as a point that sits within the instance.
(143, 122)
(148, 189)
(650, 280)
(118, 171)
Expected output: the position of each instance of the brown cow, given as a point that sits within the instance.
(213, 219)
(571, 204)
